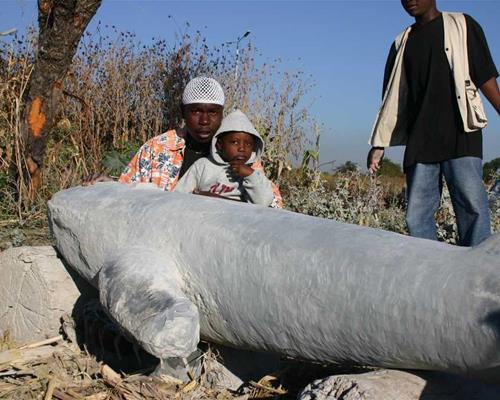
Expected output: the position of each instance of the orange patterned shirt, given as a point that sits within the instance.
(159, 161)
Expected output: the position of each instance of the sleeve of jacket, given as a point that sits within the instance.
(190, 180)
(258, 188)
(277, 199)
(140, 167)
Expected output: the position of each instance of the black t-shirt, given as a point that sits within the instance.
(192, 152)
(436, 131)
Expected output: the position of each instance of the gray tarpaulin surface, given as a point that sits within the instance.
(273, 280)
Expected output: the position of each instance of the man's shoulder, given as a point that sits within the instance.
(464, 22)
(453, 13)
(400, 37)
(471, 22)
(257, 164)
(457, 16)
(168, 136)
(172, 140)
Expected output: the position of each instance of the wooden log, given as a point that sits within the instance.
(399, 385)
(37, 290)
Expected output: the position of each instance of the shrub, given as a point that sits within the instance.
(391, 169)
(374, 201)
(491, 169)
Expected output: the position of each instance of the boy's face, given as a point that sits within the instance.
(202, 120)
(417, 8)
(235, 146)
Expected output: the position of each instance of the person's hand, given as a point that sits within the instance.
(375, 158)
(239, 169)
(92, 179)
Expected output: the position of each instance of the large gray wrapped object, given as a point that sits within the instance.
(170, 265)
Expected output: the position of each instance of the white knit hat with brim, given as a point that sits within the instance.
(203, 90)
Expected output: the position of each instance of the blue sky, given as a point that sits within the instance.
(342, 43)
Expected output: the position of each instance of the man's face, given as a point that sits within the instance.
(202, 120)
(417, 8)
(235, 146)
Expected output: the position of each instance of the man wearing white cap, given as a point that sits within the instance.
(165, 158)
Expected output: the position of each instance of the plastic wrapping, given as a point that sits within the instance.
(273, 280)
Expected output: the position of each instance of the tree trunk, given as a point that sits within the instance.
(61, 24)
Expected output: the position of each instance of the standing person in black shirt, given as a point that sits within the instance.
(431, 105)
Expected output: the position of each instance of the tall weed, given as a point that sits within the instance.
(121, 92)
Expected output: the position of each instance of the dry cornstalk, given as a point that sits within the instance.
(170, 380)
(97, 396)
(190, 386)
(50, 388)
(60, 395)
(16, 372)
(264, 384)
(52, 340)
(24, 356)
(110, 376)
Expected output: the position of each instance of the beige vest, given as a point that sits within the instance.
(390, 127)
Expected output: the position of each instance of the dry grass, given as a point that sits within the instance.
(66, 373)
(75, 366)
(121, 92)
(57, 369)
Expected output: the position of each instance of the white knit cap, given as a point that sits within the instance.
(203, 90)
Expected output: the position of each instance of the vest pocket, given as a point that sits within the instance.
(476, 117)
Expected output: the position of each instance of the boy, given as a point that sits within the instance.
(431, 105)
(227, 173)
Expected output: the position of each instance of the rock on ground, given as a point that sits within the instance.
(37, 290)
(398, 385)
